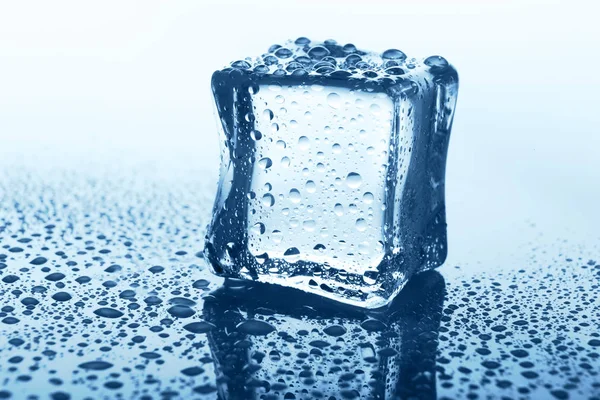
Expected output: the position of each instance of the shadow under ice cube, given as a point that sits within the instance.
(332, 169)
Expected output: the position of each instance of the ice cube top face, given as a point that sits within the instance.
(332, 169)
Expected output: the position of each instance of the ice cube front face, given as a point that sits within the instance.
(332, 169)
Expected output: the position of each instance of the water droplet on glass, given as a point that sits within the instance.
(268, 200)
(375, 109)
(303, 143)
(256, 135)
(361, 225)
(353, 180)
(294, 196)
(268, 114)
(265, 163)
(309, 225)
(334, 100)
(259, 228)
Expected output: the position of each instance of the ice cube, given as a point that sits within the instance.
(332, 169)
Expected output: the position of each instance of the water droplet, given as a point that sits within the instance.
(62, 296)
(282, 52)
(38, 261)
(276, 236)
(353, 180)
(95, 365)
(375, 109)
(436, 62)
(255, 327)
(334, 100)
(268, 114)
(294, 196)
(303, 143)
(107, 312)
(302, 41)
(393, 54)
(181, 311)
(255, 135)
(368, 197)
(268, 200)
(309, 225)
(318, 52)
(199, 327)
(258, 228)
(292, 251)
(361, 225)
(241, 64)
(265, 163)
(335, 330)
(311, 187)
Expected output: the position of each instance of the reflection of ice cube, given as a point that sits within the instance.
(332, 170)
(313, 349)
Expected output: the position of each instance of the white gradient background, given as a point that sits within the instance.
(127, 82)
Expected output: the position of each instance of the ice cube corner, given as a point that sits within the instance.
(332, 169)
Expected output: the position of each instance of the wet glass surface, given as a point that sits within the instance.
(104, 294)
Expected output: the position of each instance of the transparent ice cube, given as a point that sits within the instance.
(332, 169)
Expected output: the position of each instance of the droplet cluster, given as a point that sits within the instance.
(104, 294)
(302, 57)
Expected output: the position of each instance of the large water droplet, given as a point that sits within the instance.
(268, 200)
(255, 327)
(309, 225)
(436, 62)
(95, 365)
(265, 163)
(303, 143)
(353, 180)
(334, 100)
(318, 52)
(393, 54)
(107, 312)
(295, 196)
(361, 225)
(199, 327)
